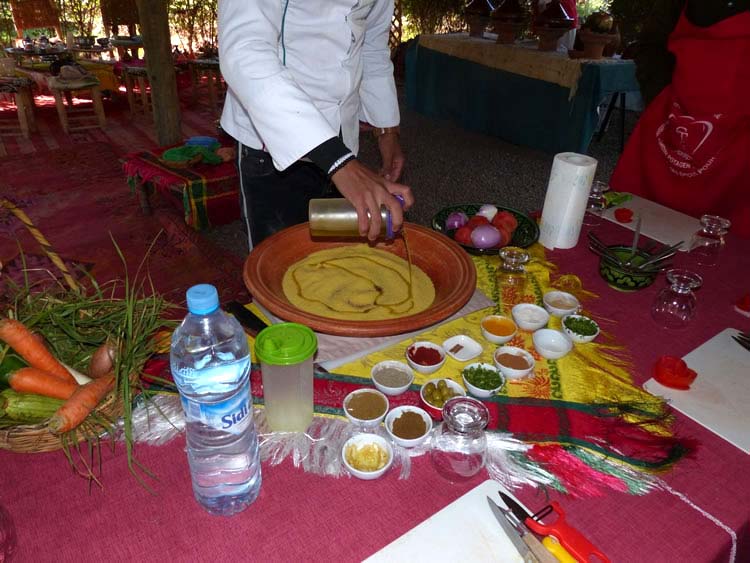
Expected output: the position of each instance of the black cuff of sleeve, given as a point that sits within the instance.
(326, 154)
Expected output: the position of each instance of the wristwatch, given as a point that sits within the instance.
(380, 131)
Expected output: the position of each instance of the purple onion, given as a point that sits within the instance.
(485, 236)
(456, 220)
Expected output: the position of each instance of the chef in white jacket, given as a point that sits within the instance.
(301, 74)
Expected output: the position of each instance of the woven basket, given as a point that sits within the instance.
(28, 438)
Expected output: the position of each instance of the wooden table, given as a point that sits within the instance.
(210, 69)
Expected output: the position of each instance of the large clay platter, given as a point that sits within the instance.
(450, 268)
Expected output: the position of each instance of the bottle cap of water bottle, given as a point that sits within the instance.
(285, 344)
(202, 299)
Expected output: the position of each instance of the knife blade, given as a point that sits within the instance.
(512, 533)
(249, 320)
(545, 552)
(575, 543)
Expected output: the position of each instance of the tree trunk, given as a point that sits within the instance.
(165, 102)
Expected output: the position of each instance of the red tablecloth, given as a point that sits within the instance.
(208, 194)
(299, 516)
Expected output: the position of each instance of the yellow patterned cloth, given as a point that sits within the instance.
(591, 373)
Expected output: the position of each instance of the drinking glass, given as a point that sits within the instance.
(708, 242)
(7, 535)
(511, 274)
(596, 204)
(459, 446)
(674, 306)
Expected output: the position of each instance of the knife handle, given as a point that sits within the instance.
(556, 548)
(574, 541)
(542, 555)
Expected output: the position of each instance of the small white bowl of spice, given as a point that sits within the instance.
(367, 456)
(392, 377)
(580, 328)
(366, 408)
(551, 344)
(530, 317)
(408, 426)
(514, 362)
(560, 303)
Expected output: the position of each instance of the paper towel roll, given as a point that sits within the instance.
(565, 203)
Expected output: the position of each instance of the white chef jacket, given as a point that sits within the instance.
(298, 71)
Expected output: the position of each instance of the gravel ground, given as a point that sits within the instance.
(447, 164)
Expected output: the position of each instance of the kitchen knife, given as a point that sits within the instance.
(251, 322)
(512, 533)
(571, 539)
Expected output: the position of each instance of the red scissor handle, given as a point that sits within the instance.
(571, 539)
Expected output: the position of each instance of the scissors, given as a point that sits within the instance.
(570, 538)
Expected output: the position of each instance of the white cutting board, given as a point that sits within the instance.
(465, 530)
(719, 398)
(658, 222)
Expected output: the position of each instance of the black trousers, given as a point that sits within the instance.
(272, 200)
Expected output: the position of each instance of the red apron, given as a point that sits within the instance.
(691, 148)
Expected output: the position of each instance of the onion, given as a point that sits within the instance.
(456, 220)
(488, 211)
(485, 236)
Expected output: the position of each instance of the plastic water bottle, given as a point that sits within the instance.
(210, 362)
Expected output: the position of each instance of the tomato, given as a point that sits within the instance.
(463, 235)
(505, 220)
(477, 220)
(624, 215)
(673, 372)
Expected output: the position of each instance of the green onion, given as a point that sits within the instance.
(482, 377)
(581, 325)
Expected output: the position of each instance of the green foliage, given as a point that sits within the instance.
(432, 16)
(80, 15)
(587, 7)
(194, 21)
(630, 15)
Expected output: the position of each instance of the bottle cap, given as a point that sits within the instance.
(202, 299)
(285, 344)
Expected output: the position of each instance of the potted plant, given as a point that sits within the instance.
(596, 33)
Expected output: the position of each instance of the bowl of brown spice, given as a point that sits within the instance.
(392, 377)
(408, 426)
(365, 407)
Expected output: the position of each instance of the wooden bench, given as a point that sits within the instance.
(20, 89)
(72, 118)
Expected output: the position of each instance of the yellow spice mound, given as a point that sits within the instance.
(357, 283)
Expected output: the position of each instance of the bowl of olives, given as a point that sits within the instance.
(436, 392)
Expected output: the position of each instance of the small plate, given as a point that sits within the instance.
(526, 234)
(470, 348)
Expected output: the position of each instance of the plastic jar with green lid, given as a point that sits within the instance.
(285, 352)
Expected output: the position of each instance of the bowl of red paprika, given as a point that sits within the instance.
(425, 357)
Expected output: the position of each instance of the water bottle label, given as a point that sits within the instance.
(231, 415)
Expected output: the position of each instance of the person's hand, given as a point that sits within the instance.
(367, 191)
(391, 156)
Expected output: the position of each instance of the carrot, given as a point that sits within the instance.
(32, 349)
(33, 380)
(80, 404)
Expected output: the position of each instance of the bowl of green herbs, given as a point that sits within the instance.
(580, 328)
(482, 380)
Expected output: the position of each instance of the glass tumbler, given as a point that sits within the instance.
(596, 204)
(511, 275)
(674, 306)
(459, 446)
(707, 243)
